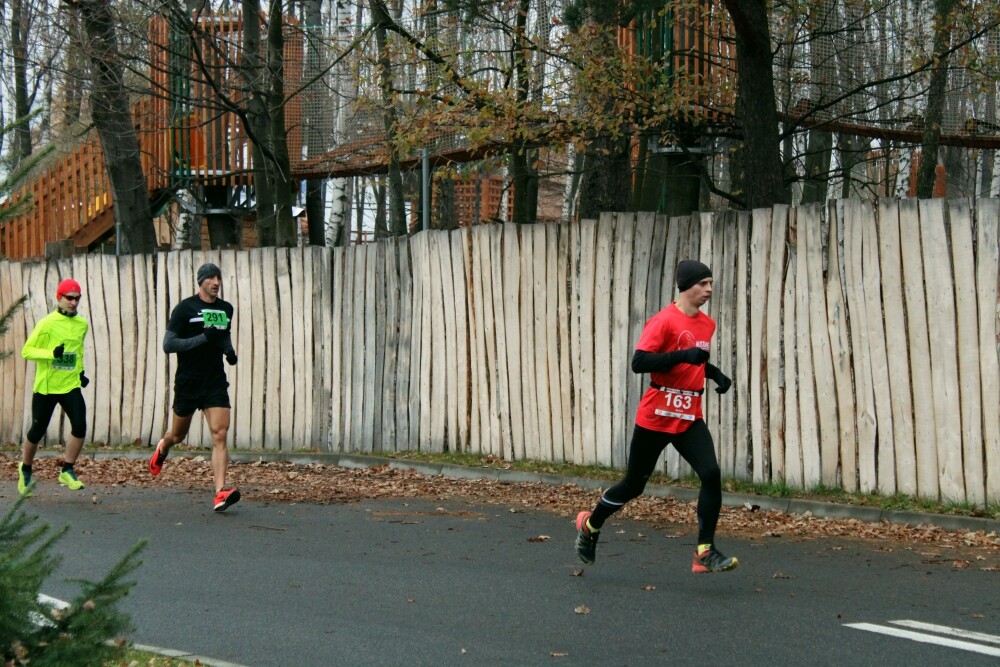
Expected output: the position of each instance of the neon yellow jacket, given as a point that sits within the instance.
(56, 376)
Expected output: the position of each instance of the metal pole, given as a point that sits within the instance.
(426, 187)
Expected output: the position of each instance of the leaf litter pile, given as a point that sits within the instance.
(281, 481)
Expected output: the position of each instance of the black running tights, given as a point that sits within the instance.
(43, 405)
(695, 446)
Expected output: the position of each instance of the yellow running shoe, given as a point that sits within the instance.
(68, 479)
(23, 481)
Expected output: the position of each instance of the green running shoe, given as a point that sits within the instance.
(23, 481)
(68, 479)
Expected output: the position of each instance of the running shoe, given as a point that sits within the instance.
(586, 539)
(23, 480)
(156, 460)
(712, 560)
(68, 479)
(226, 498)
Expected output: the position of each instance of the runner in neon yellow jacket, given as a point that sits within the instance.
(56, 347)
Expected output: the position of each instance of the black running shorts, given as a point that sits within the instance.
(187, 399)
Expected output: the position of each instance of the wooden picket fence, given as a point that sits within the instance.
(862, 339)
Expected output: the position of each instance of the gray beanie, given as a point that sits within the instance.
(690, 272)
(206, 271)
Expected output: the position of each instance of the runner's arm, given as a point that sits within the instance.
(174, 343)
(661, 362)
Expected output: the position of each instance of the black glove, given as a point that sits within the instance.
(84, 380)
(720, 379)
(231, 358)
(215, 336)
(692, 355)
(57, 352)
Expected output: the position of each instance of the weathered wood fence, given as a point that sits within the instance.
(862, 339)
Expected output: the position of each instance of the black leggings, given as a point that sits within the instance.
(43, 405)
(695, 446)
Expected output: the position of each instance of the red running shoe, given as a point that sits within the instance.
(156, 460)
(226, 498)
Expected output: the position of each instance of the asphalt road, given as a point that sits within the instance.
(421, 582)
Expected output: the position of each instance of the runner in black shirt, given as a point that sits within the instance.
(198, 332)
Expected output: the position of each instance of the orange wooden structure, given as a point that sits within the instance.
(189, 141)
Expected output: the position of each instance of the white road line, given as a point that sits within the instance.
(954, 632)
(926, 639)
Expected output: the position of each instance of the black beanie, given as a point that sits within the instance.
(690, 272)
(206, 271)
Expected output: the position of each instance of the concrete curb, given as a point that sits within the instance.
(193, 658)
(787, 505)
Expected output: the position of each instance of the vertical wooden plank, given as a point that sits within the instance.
(434, 357)
(603, 323)
(300, 334)
(502, 395)
(35, 308)
(806, 372)
(886, 458)
(420, 417)
(584, 377)
(547, 325)
(337, 328)
(620, 354)
(380, 351)
(160, 393)
(740, 402)
(530, 387)
(460, 303)
(828, 446)
(917, 335)
(987, 276)
(510, 284)
(230, 291)
(758, 378)
(939, 285)
(418, 274)
(357, 351)
(107, 339)
(323, 334)
(792, 472)
(406, 355)
(837, 315)
(346, 325)
(719, 413)
(641, 309)
(242, 335)
(899, 383)
(370, 348)
(564, 292)
(253, 348)
(132, 355)
(485, 440)
(8, 416)
(274, 406)
(856, 216)
(967, 320)
(389, 398)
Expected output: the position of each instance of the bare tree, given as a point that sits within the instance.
(113, 119)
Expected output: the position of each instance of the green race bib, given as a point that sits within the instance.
(67, 362)
(214, 319)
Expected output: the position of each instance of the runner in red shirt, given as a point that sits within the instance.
(674, 350)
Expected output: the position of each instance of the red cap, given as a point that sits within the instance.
(67, 286)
